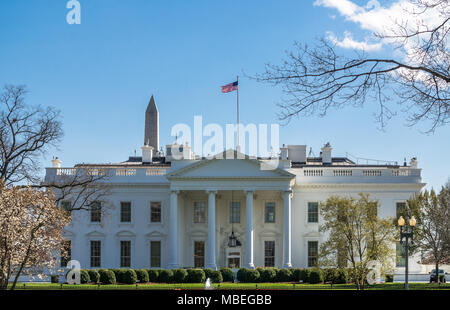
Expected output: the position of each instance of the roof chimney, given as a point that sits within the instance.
(56, 163)
(147, 154)
(284, 152)
(297, 153)
(326, 154)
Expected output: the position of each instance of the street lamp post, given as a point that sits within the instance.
(406, 232)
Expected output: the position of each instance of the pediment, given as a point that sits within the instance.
(155, 233)
(230, 168)
(95, 233)
(125, 233)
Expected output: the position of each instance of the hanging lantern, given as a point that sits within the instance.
(233, 241)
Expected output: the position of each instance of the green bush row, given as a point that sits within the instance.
(306, 275)
(195, 275)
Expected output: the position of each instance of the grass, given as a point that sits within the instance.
(228, 286)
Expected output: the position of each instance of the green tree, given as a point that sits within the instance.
(355, 236)
(431, 235)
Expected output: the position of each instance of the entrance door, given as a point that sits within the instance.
(234, 262)
(234, 258)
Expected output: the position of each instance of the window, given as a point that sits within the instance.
(95, 253)
(199, 254)
(235, 212)
(125, 253)
(66, 252)
(313, 212)
(400, 209)
(269, 212)
(269, 253)
(66, 205)
(313, 253)
(155, 253)
(155, 212)
(125, 212)
(400, 255)
(96, 211)
(199, 212)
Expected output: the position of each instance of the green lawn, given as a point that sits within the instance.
(225, 286)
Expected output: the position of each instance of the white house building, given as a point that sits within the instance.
(212, 213)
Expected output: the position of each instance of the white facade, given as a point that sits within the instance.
(219, 186)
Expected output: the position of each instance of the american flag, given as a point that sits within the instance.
(230, 87)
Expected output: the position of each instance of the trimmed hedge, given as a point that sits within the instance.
(341, 276)
(297, 274)
(248, 275)
(179, 275)
(227, 274)
(84, 276)
(284, 275)
(107, 276)
(117, 274)
(153, 275)
(316, 276)
(128, 276)
(267, 274)
(195, 276)
(216, 276)
(165, 276)
(142, 275)
(93, 275)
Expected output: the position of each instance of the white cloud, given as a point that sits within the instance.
(349, 42)
(382, 20)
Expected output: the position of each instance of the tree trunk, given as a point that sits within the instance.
(437, 272)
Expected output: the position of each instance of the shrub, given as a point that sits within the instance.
(304, 274)
(340, 276)
(389, 278)
(208, 272)
(128, 276)
(165, 276)
(316, 276)
(195, 276)
(297, 274)
(142, 275)
(284, 275)
(267, 274)
(227, 274)
(179, 275)
(329, 274)
(107, 276)
(153, 275)
(84, 276)
(216, 276)
(54, 278)
(241, 274)
(94, 275)
(117, 274)
(248, 275)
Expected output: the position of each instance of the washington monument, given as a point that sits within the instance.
(152, 125)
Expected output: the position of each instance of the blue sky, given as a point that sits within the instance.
(100, 75)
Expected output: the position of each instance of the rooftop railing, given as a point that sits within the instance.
(360, 172)
(111, 172)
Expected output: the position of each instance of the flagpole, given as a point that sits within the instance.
(237, 106)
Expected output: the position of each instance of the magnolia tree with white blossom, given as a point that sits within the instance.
(31, 221)
(30, 232)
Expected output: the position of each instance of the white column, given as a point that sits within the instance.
(287, 229)
(211, 245)
(173, 231)
(249, 230)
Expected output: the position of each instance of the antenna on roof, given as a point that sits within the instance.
(311, 153)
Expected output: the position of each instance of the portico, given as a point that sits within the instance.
(243, 189)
